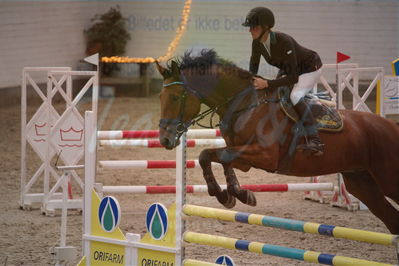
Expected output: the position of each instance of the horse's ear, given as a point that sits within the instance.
(175, 69)
(161, 69)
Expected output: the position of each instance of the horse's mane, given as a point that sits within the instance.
(204, 61)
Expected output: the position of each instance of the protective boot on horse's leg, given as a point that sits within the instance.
(312, 143)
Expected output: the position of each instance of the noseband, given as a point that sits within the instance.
(173, 83)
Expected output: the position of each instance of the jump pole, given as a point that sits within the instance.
(151, 143)
(292, 225)
(274, 250)
(204, 188)
(139, 134)
(146, 164)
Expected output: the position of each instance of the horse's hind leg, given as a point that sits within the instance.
(388, 181)
(362, 185)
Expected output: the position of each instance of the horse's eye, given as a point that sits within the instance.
(174, 97)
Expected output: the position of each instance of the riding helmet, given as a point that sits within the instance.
(259, 16)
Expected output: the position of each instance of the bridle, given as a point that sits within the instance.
(183, 127)
(180, 126)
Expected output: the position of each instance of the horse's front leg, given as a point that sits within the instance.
(242, 157)
(206, 158)
(233, 187)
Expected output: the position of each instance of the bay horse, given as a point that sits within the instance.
(259, 134)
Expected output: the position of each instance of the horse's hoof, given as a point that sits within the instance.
(227, 200)
(247, 197)
(234, 189)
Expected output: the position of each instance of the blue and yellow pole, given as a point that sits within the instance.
(293, 225)
(274, 250)
(190, 262)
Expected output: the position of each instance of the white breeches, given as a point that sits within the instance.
(305, 84)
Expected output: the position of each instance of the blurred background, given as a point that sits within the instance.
(52, 33)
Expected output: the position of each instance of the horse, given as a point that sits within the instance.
(259, 134)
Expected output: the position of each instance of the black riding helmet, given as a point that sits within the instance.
(259, 16)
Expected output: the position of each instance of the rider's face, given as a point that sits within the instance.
(255, 31)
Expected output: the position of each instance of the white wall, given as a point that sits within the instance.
(50, 33)
(365, 30)
(40, 34)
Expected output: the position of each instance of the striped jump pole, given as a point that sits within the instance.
(293, 225)
(147, 164)
(152, 143)
(274, 250)
(204, 188)
(139, 134)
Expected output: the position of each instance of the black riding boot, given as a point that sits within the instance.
(313, 143)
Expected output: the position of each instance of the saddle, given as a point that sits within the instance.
(327, 117)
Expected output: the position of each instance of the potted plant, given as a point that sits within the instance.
(107, 36)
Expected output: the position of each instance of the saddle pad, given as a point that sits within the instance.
(328, 119)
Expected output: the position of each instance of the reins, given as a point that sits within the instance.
(182, 127)
(264, 101)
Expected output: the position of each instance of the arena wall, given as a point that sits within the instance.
(50, 33)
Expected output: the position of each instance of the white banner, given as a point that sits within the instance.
(391, 94)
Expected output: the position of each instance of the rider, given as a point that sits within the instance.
(298, 66)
